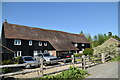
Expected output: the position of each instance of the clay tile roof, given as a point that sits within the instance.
(60, 40)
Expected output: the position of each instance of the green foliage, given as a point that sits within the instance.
(81, 32)
(110, 49)
(6, 70)
(18, 60)
(6, 62)
(73, 73)
(99, 39)
(88, 51)
(116, 59)
(78, 55)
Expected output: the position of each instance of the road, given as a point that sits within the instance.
(106, 70)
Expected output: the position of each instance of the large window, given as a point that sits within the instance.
(40, 43)
(30, 43)
(17, 42)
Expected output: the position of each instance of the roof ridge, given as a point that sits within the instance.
(48, 30)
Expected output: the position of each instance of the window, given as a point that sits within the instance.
(17, 42)
(76, 45)
(40, 43)
(35, 53)
(30, 43)
(18, 53)
(83, 45)
(45, 51)
(45, 43)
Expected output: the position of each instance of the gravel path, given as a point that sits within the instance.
(106, 70)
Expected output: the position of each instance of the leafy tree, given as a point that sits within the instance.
(100, 39)
(109, 33)
(81, 32)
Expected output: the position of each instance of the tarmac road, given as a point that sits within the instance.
(106, 70)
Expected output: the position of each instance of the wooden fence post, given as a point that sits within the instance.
(103, 57)
(41, 66)
(73, 59)
(89, 62)
(83, 62)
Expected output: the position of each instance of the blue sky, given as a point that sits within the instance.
(90, 17)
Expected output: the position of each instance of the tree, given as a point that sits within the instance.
(81, 32)
(88, 51)
(100, 39)
(111, 49)
(110, 34)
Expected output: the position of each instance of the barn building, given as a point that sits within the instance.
(29, 41)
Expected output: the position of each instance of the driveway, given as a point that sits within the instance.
(106, 70)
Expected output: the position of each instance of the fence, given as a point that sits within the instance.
(87, 61)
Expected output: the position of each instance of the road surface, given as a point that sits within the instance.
(106, 70)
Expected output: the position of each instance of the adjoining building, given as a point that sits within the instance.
(29, 41)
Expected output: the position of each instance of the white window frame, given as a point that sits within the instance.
(18, 53)
(45, 43)
(40, 43)
(76, 45)
(83, 44)
(17, 42)
(35, 52)
(30, 43)
(45, 51)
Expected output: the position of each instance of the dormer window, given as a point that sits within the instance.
(45, 43)
(30, 43)
(17, 42)
(40, 43)
(83, 45)
(76, 45)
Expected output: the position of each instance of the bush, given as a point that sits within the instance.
(6, 62)
(73, 73)
(6, 70)
(18, 60)
(78, 55)
(88, 51)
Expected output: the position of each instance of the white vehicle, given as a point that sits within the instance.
(29, 61)
(47, 58)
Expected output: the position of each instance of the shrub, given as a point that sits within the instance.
(6, 70)
(18, 60)
(73, 73)
(78, 55)
(6, 62)
(88, 51)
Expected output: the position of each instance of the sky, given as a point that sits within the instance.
(72, 17)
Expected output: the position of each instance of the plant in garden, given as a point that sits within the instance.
(72, 73)
(88, 51)
(111, 49)
(78, 55)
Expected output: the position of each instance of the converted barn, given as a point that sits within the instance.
(29, 41)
